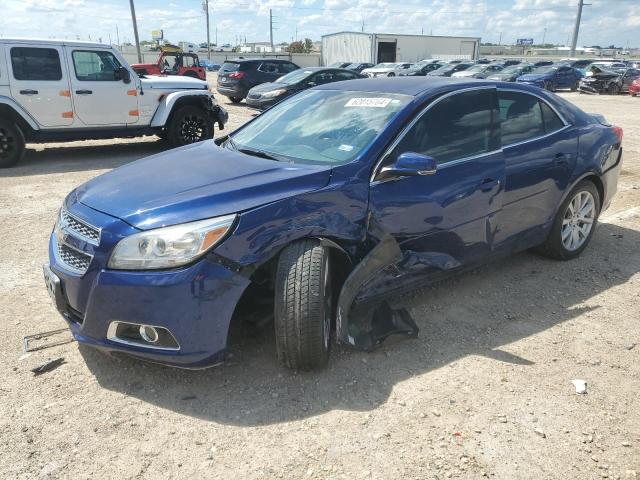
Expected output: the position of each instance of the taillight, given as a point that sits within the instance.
(619, 133)
(237, 75)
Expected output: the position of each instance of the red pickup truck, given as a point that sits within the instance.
(173, 63)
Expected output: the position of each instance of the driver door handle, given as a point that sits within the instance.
(28, 92)
(84, 92)
(489, 184)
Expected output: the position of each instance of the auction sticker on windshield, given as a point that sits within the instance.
(378, 102)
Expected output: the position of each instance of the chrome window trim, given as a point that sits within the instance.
(410, 125)
(536, 138)
(112, 336)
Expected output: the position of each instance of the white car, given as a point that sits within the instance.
(385, 69)
(60, 90)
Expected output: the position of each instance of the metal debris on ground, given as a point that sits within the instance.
(48, 366)
(60, 337)
(581, 386)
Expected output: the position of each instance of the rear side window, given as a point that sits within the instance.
(268, 67)
(230, 67)
(95, 66)
(552, 121)
(456, 127)
(35, 64)
(345, 76)
(520, 117)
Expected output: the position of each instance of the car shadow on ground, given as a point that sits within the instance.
(77, 156)
(477, 313)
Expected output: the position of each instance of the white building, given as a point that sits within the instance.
(382, 47)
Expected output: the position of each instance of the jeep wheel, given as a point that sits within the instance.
(303, 305)
(235, 99)
(189, 125)
(11, 144)
(191, 74)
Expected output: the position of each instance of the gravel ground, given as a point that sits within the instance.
(485, 390)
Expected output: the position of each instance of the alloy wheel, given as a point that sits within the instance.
(7, 143)
(192, 128)
(578, 220)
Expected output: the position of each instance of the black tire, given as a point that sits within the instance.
(303, 306)
(553, 246)
(574, 87)
(191, 74)
(613, 89)
(391, 74)
(549, 86)
(189, 124)
(235, 99)
(11, 143)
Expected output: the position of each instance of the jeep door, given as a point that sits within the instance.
(100, 96)
(450, 214)
(39, 83)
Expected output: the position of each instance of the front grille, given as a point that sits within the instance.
(82, 229)
(73, 259)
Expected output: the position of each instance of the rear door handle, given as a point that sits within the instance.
(489, 184)
(28, 92)
(84, 92)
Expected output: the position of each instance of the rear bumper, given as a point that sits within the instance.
(195, 304)
(232, 91)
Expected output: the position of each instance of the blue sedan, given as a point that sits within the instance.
(325, 201)
(553, 77)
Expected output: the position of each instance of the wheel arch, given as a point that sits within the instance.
(11, 110)
(173, 101)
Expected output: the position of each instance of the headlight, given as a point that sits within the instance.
(169, 246)
(273, 93)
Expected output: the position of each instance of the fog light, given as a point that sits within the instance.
(148, 334)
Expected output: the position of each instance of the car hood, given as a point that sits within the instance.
(502, 76)
(464, 73)
(269, 87)
(173, 82)
(532, 77)
(378, 70)
(195, 182)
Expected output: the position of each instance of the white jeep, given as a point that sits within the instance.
(62, 90)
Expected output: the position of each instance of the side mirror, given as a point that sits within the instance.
(409, 164)
(124, 75)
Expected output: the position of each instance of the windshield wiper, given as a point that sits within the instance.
(257, 153)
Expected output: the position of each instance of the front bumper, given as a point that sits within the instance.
(262, 103)
(194, 303)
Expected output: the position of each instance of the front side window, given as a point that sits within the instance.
(95, 66)
(462, 125)
(286, 67)
(41, 64)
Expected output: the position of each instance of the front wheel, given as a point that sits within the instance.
(574, 224)
(189, 124)
(574, 87)
(235, 99)
(549, 86)
(303, 305)
(191, 74)
(613, 89)
(11, 144)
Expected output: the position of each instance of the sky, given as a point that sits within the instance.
(604, 22)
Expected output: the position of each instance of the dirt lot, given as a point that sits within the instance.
(484, 391)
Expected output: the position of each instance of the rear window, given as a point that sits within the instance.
(230, 67)
(35, 63)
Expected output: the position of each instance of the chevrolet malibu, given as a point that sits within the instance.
(336, 194)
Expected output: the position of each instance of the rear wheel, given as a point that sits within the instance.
(189, 124)
(614, 89)
(549, 86)
(391, 74)
(11, 143)
(191, 74)
(574, 87)
(235, 99)
(303, 305)
(574, 224)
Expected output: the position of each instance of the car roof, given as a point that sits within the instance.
(253, 60)
(417, 86)
(39, 41)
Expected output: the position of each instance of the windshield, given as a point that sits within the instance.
(513, 69)
(385, 65)
(319, 126)
(476, 68)
(545, 70)
(294, 77)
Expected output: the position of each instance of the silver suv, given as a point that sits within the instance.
(61, 90)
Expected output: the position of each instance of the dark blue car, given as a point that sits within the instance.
(553, 77)
(325, 201)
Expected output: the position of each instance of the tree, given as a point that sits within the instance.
(296, 47)
(308, 45)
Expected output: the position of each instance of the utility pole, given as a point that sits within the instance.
(206, 14)
(576, 29)
(117, 36)
(216, 35)
(500, 41)
(135, 30)
(271, 29)
(544, 35)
